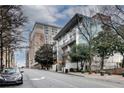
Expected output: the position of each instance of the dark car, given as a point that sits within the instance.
(11, 76)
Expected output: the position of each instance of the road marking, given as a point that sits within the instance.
(35, 79)
(41, 78)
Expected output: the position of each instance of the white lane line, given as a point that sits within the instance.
(35, 79)
(41, 78)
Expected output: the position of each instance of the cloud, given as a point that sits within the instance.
(72, 10)
(47, 14)
(53, 13)
(84, 10)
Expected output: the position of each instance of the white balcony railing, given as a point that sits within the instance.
(70, 40)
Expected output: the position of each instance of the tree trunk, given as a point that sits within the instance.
(123, 62)
(77, 66)
(89, 68)
(90, 60)
(1, 60)
(41, 66)
(6, 58)
(1, 39)
(47, 68)
(9, 58)
(81, 65)
(47, 65)
(102, 63)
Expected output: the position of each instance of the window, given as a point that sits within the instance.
(54, 30)
(45, 27)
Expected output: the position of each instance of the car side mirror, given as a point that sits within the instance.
(22, 71)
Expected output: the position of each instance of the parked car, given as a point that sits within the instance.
(11, 76)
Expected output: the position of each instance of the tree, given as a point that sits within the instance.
(88, 28)
(79, 53)
(44, 56)
(39, 57)
(120, 48)
(115, 22)
(75, 55)
(11, 19)
(116, 14)
(104, 45)
(84, 55)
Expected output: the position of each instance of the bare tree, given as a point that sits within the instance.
(88, 28)
(11, 19)
(116, 21)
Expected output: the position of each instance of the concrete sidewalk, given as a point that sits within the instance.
(108, 78)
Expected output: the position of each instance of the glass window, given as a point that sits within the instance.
(10, 70)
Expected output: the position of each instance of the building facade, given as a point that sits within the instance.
(70, 35)
(27, 58)
(65, 39)
(41, 34)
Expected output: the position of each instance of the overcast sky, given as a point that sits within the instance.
(56, 15)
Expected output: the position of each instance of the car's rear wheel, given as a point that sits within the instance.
(21, 81)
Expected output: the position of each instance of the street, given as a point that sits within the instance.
(34, 78)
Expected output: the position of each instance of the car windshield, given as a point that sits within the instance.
(10, 70)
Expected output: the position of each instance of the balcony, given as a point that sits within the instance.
(69, 41)
(54, 51)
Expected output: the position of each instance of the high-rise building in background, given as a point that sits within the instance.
(40, 35)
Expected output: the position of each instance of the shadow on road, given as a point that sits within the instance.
(9, 85)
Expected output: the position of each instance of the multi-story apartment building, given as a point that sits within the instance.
(70, 35)
(41, 34)
(65, 39)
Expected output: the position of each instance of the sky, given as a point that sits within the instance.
(57, 15)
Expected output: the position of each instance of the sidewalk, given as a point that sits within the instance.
(109, 78)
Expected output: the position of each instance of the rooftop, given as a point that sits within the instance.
(51, 25)
(74, 20)
(39, 23)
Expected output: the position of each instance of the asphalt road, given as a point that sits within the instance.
(45, 79)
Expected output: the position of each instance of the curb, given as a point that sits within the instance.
(86, 77)
(90, 78)
(66, 73)
(99, 79)
(74, 74)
